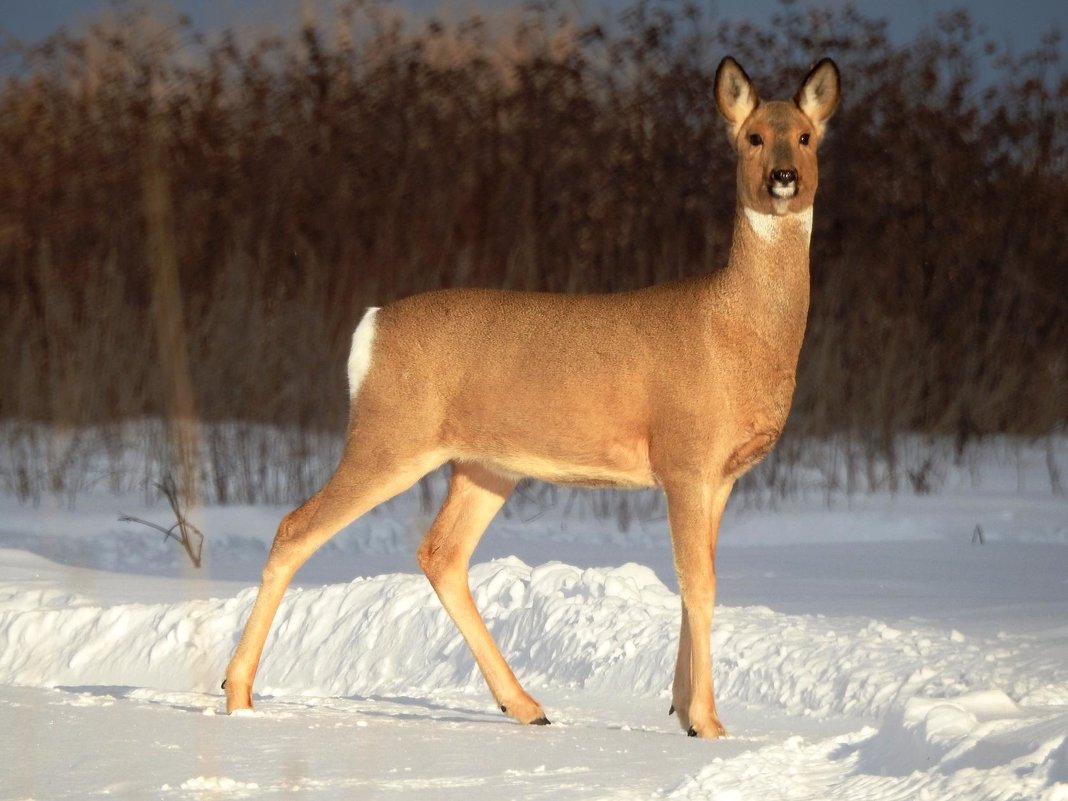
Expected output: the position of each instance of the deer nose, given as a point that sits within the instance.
(784, 177)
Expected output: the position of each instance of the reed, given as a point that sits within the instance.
(276, 186)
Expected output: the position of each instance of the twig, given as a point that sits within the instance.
(188, 536)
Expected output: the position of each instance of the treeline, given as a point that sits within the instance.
(292, 181)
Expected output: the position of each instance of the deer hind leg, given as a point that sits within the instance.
(476, 494)
(364, 479)
(694, 512)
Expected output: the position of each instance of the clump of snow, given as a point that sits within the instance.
(217, 783)
(925, 730)
(1005, 760)
(213, 787)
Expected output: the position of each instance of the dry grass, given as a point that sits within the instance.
(192, 228)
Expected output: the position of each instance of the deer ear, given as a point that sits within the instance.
(818, 96)
(735, 95)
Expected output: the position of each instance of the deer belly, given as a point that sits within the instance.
(610, 465)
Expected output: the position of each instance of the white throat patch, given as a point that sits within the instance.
(360, 355)
(768, 226)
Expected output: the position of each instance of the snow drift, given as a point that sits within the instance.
(604, 630)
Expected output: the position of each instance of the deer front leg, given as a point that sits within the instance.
(694, 511)
(680, 687)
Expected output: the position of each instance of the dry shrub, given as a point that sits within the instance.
(367, 158)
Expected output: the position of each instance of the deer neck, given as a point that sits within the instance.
(767, 273)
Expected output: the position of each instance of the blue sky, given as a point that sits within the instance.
(1018, 24)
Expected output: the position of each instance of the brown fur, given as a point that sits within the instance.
(683, 386)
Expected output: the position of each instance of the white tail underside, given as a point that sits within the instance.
(360, 356)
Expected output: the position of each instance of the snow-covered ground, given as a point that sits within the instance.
(865, 650)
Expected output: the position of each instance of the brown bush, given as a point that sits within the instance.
(307, 178)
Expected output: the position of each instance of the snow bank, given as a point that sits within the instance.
(961, 718)
(609, 630)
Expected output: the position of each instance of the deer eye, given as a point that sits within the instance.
(804, 139)
(756, 140)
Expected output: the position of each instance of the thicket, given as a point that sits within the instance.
(192, 224)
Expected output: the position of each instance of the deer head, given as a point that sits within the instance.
(776, 140)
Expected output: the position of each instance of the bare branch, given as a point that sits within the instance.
(189, 536)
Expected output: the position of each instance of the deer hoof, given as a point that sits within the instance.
(538, 721)
(714, 732)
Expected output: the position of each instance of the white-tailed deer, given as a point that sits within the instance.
(683, 386)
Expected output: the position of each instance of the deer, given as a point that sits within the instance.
(682, 386)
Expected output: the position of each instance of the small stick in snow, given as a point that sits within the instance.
(188, 535)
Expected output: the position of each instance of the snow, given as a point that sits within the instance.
(863, 650)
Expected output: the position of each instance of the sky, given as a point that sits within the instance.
(1018, 24)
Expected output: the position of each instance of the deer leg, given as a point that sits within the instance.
(362, 481)
(694, 511)
(680, 687)
(476, 494)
